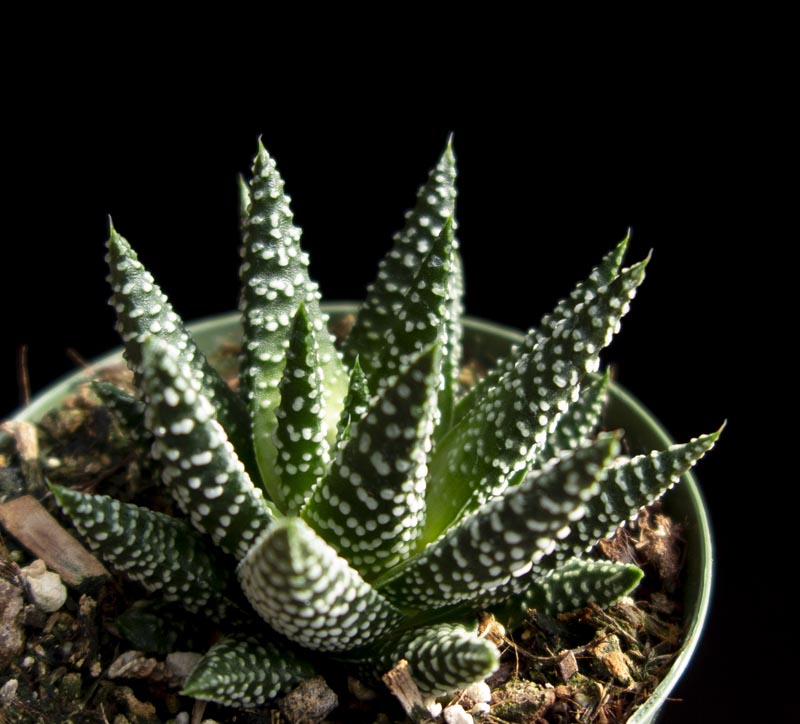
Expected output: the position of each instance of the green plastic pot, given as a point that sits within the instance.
(484, 343)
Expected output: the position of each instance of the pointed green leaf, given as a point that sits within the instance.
(302, 588)
(601, 276)
(301, 435)
(160, 552)
(573, 586)
(126, 411)
(441, 658)
(435, 204)
(579, 421)
(419, 319)
(371, 505)
(356, 403)
(275, 281)
(199, 465)
(144, 312)
(632, 484)
(246, 672)
(492, 447)
(509, 537)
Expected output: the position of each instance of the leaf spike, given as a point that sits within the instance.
(127, 412)
(511, 536)
(356, 403)
(632, 484)
(302, 588)
(275, 280)
(199, 465)
(244, 671)
(576, 584)
(508, 426)
(301, 435)
(561, 318)
(141, 544)
(448, 149)
(579, 421)
(385, 296)
(442, 658)
(371, 506)
(143, 313)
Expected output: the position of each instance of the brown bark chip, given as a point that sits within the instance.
(41, 533)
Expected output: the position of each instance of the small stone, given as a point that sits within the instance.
(47, 591)
(182, 718)
(455, 714)
(567, 666)
(70, 686)
(521, 701)
(479, 692)
(8, 691)
(481, 708)
(309, 703)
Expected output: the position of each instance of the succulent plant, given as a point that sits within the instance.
(363, 500)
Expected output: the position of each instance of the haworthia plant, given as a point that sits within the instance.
(374, 505)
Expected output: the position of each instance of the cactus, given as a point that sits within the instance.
(364, 501)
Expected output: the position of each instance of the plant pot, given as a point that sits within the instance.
(484, 343)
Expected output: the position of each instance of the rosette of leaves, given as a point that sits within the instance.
(364, 502)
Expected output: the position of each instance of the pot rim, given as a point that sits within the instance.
(697, 610)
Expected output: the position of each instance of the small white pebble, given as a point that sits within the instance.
(479, 691)
(456, 715)
(8, 691)
(47, 590)
(481, 708)
(182, 718)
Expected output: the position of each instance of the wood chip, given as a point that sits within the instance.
(403, 686)
(131, 665)
(42, 535)
(26, 440)
(608, 652)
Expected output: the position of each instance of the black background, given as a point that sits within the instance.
(551, 176)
